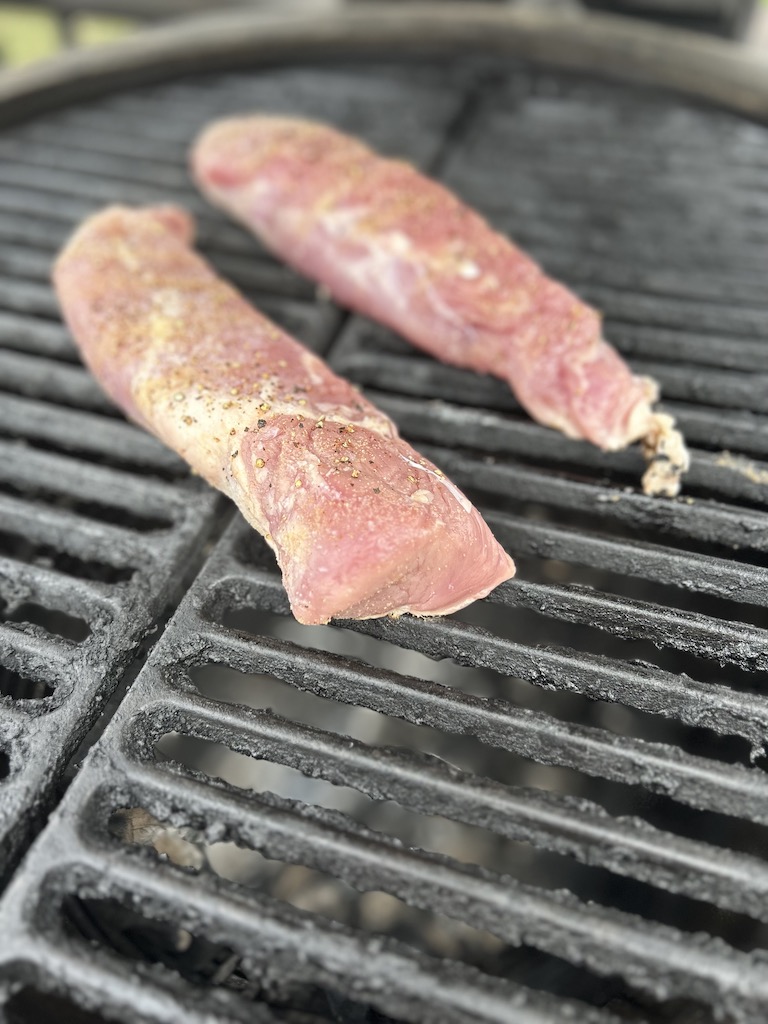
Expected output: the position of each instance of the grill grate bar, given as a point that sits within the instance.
(23, 263)
(25, 229)
(607, 941)
(40, 337)
(331, 842)
(686, 314)
(74, 534)
(390, 977)
(46, 183)
(535, 227)
(52, 589)
(706, 286)
(734, 431)
(527, 218)
(577, 194)
(46, 205)
(412, 376)
(68, 155)
(704, 574)
(645, 688)
(726, 526)
(36, 656)
(673, 133)
(566, 826)
(28, 297)
(569, 826)
(84, 432)
(63, 475)
(701, 783)
(608, 162)
(490, 432)
(640, 686)
(718, 350)
(40, 378)
(745, 391)
(704, 636)
(595, 245)
(104, 142)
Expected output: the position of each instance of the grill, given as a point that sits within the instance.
(551, 806)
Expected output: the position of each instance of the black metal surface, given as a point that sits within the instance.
(561, 790)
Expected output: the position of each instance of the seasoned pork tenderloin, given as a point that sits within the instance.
(392, 244)
(362, 525)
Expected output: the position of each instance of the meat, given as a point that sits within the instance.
(362, 525)
(396, 246)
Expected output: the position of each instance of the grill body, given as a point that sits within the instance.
(550, 807)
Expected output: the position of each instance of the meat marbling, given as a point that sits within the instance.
(401, 248)
(362, 525)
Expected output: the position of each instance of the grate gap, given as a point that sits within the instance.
(605, 525)
(373, 913)
(31, 1006)
(5, 764)
(523, 625)
(552, 570)
(357, 722)
(52, 620)
(199, 961)
(19, 687)
(464, 843)
(230, 686)
(485, 682)
(108, 922)
(336, 639)
(381, 913)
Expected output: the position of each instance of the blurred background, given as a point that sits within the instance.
(36, 30)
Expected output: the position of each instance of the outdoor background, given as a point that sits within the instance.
(30, 31)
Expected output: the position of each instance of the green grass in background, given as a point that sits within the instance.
(32, 33)
(25, 34)
(93, 29)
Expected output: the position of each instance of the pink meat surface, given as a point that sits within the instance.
(401, 248)
(362, 525)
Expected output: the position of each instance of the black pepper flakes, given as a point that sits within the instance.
(261, 424)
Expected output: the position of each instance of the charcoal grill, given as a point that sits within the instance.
(549, 807)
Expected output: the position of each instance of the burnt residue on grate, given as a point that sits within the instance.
(552, 806)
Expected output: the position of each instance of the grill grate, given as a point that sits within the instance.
(91, 540)
(97, 520)
(549, 807)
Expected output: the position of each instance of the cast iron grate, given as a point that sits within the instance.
(98, 522)
(98, 526)
(550, 807)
